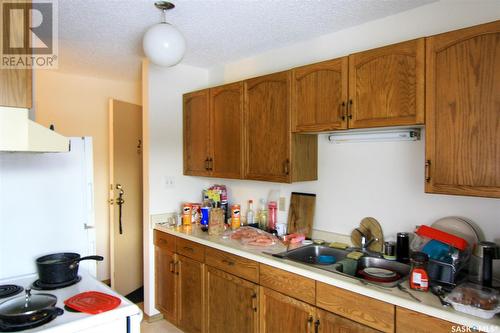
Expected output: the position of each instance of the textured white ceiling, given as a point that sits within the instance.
(104, 37)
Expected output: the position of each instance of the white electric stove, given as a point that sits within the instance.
(125, 318)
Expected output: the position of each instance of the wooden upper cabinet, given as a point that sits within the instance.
(319, 96)
(267, 127)
(231, 303)
(226, 113)
(463, 112)
(386, 85)
(272, 153)
(281, 313)
(16, 84)
(196, 134)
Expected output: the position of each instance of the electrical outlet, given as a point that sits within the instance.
(282, 204)
(169, 182)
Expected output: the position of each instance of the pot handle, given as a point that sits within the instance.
(75, 263)
(55, 311)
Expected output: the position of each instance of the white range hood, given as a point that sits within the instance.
(20, 134)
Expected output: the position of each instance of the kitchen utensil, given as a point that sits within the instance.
(390, 250)
(370, 227)
(301, 213)
(405, 290)
(60, 267)
(403, 247)
(440, 294)
(459, 227)
(28, 308)
(93, 302)
(442, 236)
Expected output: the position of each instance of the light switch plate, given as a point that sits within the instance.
(169, 182)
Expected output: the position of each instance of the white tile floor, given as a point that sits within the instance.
(160, 326)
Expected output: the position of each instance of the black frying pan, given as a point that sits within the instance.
(60, 267)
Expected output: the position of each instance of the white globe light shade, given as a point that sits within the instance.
(164, 45)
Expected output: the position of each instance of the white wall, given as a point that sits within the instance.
(166, 86)
(383, 180)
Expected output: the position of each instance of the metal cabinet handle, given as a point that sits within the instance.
(349, 109)
(230, 263)
(172, 267)
(316, 326)
(428, 171)
(343, 111)
(254, 302)
(210, 164)
(176, 269)
(286, 167)
(206, 164)
(187, 248)
(309, 323)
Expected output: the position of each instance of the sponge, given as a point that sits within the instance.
(355, 255)
(339, 245)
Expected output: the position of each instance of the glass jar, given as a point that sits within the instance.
(419, 278)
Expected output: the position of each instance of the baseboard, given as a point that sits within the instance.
(154, 318)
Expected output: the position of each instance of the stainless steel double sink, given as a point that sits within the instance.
(311, 255)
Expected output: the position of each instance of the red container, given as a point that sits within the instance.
(442, 236)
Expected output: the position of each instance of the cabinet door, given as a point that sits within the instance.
(231, 303)
(280, 313)
(190, 295)
(165, 284)
(267, 127)
(463, 112)
(319, 96)
(386, 85)
(15, 84)
(196, 133)
(226, 108)
(328, 322)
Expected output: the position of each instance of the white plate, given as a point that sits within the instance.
(459, 227)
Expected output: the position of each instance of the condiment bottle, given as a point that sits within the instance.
(263, 215)
(419, 279)
(250, 214)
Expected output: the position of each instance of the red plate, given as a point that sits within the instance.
(92, 302)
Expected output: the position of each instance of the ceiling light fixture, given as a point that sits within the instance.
(163, 44)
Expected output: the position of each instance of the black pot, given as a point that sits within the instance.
(60, 267)
(28, 309)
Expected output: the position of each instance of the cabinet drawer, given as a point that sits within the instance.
(164, 240)
(408, 321)
(244, 268)
(191, 249)
(362, 309)
(290, 284)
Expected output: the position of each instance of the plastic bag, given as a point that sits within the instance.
(249, 236)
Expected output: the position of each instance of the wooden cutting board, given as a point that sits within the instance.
(370, 227)
(301, 213)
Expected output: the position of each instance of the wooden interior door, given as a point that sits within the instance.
(16, 84)
(125, 155)
(196, 133)
(231, 303)
(226, 110)
(267, 127)
(386, 85)
(319, 97)
(166, 284)
(332, 323)
(463, 115)
(280, 313)
(190, 295)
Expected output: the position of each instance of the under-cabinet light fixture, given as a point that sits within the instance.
(408, 134)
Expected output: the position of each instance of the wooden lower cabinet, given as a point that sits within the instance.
(190, 295)
(328, 322)
(166, 283)
(280, 313)
(231, 303)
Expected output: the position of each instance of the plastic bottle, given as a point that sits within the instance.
(250, 214)
(263, 215)
(419, 278)
(273, 215)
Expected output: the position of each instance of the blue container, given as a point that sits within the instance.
(205, 216)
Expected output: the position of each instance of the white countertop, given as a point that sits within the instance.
(76, 321)
(430, 303)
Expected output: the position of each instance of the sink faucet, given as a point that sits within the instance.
(365, 244)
